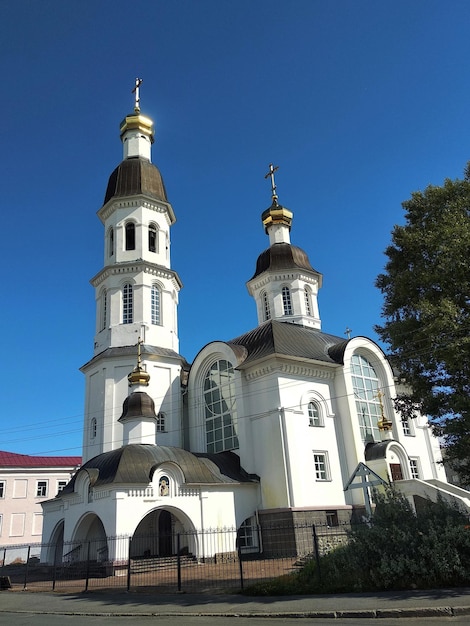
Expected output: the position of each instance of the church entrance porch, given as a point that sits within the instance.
(163, 533)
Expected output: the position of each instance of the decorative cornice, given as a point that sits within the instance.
(135, 202)
(293, 368)
(266, 277)
(133, 267)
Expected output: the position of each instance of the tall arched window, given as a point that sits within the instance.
(308, 301)
(155, 304)
(111, 241)
(130, 236)
(152, 238)
(127, 304)
(314, 417)
(266, 307)
(104, 309)
(286, 301)
(366, 385)
(220, 407)
(93, 427)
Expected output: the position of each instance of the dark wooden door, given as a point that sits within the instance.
(395, 470)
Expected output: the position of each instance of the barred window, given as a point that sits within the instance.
(266, 307)
(308, 301)
(286, 301)
(155, 305)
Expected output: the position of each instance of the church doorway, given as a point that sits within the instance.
(165, 534)
(396, 471)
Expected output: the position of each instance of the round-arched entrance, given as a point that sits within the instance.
(162, 533)
(89, 540)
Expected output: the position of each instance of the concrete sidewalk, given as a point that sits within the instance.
(441, 602)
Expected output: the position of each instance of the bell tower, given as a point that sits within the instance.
(136, 291)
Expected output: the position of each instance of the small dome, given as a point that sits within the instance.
(134, 176)
(138, 404)
(282, 256)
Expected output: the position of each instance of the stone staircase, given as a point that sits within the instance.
(154, 563)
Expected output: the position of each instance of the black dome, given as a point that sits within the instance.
(134, 176)
(282, 256)
(138, 404)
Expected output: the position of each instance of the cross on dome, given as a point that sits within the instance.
(136, 91)
(270, 174)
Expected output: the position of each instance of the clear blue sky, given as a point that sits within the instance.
(359, 102)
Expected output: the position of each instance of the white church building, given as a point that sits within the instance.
(274, 425)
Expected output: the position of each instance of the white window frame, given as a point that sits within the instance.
(127, 303)
(93, 428)
(42, 488)
(321, 466)
(161, 419)
(156, 304)
(415, 470)
(308, 301)
(287, 301)
(60, 485)
(3, 488)
(315, 418)
(407, 428)
(153, 229)
(266, 307)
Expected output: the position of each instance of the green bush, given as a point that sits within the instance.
(396, 549)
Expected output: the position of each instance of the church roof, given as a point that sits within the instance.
(134, 176)
(147, 349)
(135, 464)
(293, 340)
(282, 256)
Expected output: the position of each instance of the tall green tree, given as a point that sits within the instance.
(426, 311)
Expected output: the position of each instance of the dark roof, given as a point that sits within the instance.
(120, 351)
(136, 463)
(11, 459)
(375, 451)
(134, 176)
(282, 256)
(292, 340)
(138, 404)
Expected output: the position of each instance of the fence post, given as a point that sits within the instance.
(178, 559)
(317, 551)
(87, 566)
(129, 565)
(240, 564)
(26, 569)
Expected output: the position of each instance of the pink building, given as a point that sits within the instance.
(25, 482)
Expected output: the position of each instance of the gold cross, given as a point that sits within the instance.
(270, 174)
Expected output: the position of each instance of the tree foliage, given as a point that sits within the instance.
(426, 311)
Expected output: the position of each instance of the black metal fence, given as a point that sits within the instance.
(215, 560)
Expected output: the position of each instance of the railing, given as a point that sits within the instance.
(215, 560)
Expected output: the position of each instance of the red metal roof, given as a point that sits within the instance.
(11, 459)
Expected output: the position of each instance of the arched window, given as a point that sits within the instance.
(93, 428)
(220, 407)
(314, 416)
(111, 241)
(104, 309)
(127, 304)
(155, 305)
(308, 301)
(266, 307)
(152, 238)
(365, 386)
(161, 422)
(286, 301)
(130, 236)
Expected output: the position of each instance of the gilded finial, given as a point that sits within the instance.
(139, 376)
(136, 91)
(270, 174)
(384, 424)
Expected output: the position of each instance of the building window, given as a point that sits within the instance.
(320, 460)
(111, 242)
(152, 238)
(414, 468)
(365, 386)
(93, 428)
(130, 236)
(314, 418)
(60, 485)
(104, 309)
(41, 488)
(308, 301)
(220, 407)
(127, 304)
(407, 428)
(286, 301)
(155, 305)
(2, 488)
(246, 535)
(332, 518)
(161, 422)
(266, 307)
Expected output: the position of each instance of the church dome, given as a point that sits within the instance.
(282, 256)
(135, 176)
(138, 404)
